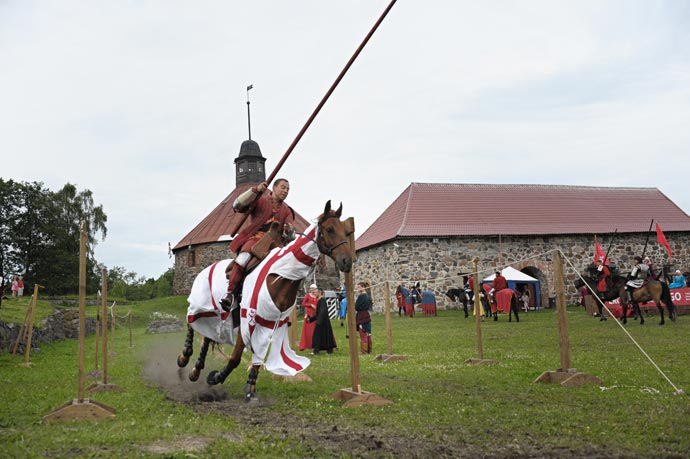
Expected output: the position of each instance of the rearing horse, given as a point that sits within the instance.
(268, 297)
(653, 290)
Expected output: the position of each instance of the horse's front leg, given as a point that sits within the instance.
(661, 313)
(516, 308)
(250, 387)
(638, 312)
(201, 361)
(624, 316)
(187, 350)
(218, 377)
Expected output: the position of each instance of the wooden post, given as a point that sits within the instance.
(104, 385)
(130, 330)
(354, 396)
(390, 357)
(565, 376)
(32, 308)
(81, 408)
(478, 320)
(559, 284)
(112, 330)
(22, 329)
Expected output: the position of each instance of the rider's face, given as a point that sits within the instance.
(281, 190)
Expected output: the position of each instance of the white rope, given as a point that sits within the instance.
(595, 295)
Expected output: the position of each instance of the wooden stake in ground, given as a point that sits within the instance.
(390, 357)
(130, 329)
(81, 408)
(104, 385)
(23, 329)
(354, 396)
(112, 330)
(565, 375)
(478, 321)
(32, 312)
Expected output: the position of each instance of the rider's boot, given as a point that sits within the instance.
(234, 278)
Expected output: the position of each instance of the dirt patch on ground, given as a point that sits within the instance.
(337, 439)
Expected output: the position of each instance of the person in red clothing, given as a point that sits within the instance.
(309, 304)
(270, 207)
(499, 284)
(603, 274)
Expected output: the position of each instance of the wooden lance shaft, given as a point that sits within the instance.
(317, 110)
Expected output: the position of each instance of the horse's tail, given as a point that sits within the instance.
(666, 297)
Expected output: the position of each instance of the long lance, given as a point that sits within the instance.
(649, 231)
(318, 109)
(606, 257)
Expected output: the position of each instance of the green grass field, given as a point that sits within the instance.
(441, 406)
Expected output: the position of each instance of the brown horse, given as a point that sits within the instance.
(268, 297)
(653, 290)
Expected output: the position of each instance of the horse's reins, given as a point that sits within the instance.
(320, 241)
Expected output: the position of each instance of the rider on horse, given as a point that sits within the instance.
(603, 277)
(265, 209)
(637, 277)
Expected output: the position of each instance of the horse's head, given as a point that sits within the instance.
(333, 237)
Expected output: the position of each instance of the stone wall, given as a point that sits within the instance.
(61, 325)
(440, 262)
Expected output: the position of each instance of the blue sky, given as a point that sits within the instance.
(144, 103)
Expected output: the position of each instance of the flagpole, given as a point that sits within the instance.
(647, 241)
(606, 257)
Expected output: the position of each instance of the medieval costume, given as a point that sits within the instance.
(322, 338)
(362, 306)
(309, 304)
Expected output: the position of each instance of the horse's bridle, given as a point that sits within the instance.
(321, 243)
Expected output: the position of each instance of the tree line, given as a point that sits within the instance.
(39, 240)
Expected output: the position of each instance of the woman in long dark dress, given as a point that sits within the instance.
(323, 338)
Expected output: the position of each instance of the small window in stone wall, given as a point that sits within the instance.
(191, 258)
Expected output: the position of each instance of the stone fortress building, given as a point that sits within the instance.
(432, 231)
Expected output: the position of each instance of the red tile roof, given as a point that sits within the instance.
(217, 225)
(449, 209)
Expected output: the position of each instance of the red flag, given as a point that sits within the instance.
(599, 253)
(661, 239)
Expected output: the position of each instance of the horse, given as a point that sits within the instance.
(652, 290)
(456, 294)
(507, 297)
(268, 297)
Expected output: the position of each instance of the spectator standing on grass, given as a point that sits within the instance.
(309, 305)
(362, 306)
(20, 286)
(15, 286)
(323, 338)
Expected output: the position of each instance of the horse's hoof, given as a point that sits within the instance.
(212, 378)
(251, 397)
(662, 322)
(194, 374)
(182, 360)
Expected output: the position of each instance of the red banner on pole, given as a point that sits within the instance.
(661, 239)
(599, 253)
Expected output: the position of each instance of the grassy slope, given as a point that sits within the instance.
(483, 406)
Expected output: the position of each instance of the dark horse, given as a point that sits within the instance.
(268, 297)
(653, 290)
(509, 296)
(456, 294)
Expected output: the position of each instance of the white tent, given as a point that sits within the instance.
(514, 277)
